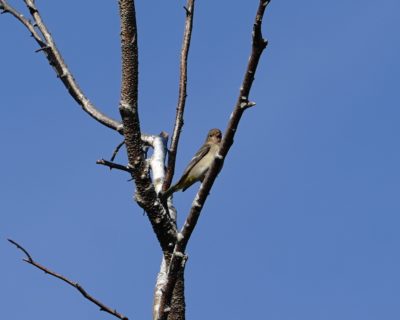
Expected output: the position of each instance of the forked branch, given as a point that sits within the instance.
(178, 256)
(243, 103)
(47, 45)
(258, 46)
(76, 285)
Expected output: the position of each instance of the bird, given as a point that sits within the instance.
(200, 163)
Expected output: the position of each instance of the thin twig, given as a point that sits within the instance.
(189, 9)
(258, 46)
(113, 165)
(116, 150)
(9, 9)
(22, 249)
(49, 48)
(76, 285)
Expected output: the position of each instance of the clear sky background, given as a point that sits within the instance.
(303, 221)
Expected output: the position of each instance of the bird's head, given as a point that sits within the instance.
(214, 135)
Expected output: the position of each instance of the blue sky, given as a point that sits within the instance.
(302, 222)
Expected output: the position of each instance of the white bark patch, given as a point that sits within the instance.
(179, 254)
(179, 237)
(160, 284)
(157, 159)
(124, 105)
(243, 105)
(196, 203)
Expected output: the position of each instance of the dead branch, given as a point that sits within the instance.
(146, 195)
(116, 150)
(76, 285)
(178, 256)
(113, 165)
(258, 46)
(189, 9)
(49, 48)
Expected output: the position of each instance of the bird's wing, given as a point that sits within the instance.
(197, 157)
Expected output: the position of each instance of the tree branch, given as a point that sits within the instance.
(76, 285)
(189, 8)
(146, 195)
(178, 256)
(258, 46)
(48, 47)
(113, 165)
(9, 9)
(116, 150)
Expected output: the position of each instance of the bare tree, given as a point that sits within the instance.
(150, 175)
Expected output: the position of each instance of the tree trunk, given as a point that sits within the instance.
(178, 305)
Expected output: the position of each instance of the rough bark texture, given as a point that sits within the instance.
(145, 196)
(178, 305)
